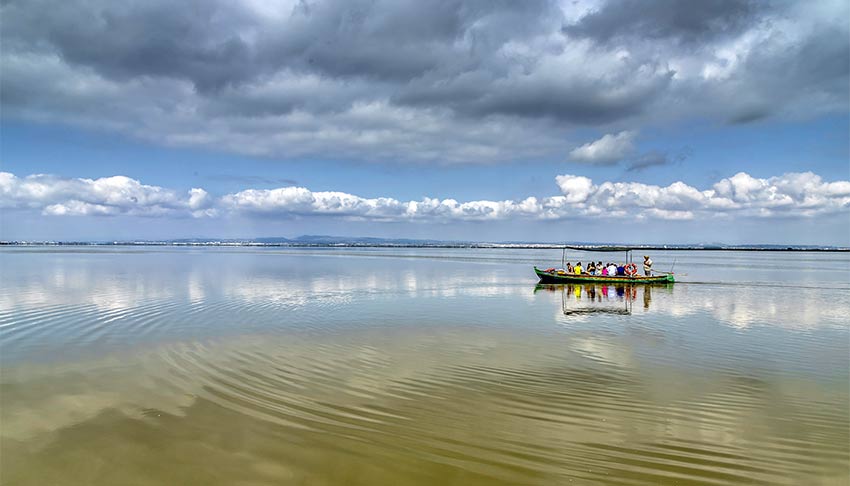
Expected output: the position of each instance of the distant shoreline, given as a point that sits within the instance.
(495, 246)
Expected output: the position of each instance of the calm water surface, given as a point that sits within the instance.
(244, 366)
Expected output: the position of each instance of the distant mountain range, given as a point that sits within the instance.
(355, 241)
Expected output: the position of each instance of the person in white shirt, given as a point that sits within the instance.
(647, 265)
(612, 269)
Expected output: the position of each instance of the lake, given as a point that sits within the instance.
(341, 366)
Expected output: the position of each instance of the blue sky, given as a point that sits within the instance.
(725, 123)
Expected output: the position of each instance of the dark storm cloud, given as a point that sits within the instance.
(194, 40)
(214, 43)
(447, 80)
(749, 114)
(819, 63)
(647, 160)
(560, 96)
(579, 102)
(683, 21)
(655, 158)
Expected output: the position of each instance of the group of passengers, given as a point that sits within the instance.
(609, 269)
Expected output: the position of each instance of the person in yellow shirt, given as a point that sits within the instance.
(578, 268)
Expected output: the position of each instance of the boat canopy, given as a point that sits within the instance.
(602, 248)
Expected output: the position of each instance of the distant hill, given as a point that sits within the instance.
(349, 240)
(363, 241)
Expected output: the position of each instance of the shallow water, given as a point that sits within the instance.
(419, 366)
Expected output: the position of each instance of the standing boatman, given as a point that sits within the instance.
(647, 266)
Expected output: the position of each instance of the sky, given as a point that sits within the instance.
(623, 121)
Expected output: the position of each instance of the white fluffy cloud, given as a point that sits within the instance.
(608, 150)
(298, 201)
(794, 194)
(790, 195)
(106, 196)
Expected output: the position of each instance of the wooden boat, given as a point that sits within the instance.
(556, 278)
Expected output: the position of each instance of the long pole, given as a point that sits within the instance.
(563, 258)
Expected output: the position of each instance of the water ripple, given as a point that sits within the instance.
(342, 373)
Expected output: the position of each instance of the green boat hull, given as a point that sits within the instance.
(546, 277)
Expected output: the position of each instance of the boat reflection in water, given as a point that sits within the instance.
(579, 299)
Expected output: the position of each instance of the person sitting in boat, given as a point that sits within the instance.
(612, 269)
(599, 268)
(605, 271)
(647, 266)
(621, 269)
(591, 268)
(569, 267)
(577, 268)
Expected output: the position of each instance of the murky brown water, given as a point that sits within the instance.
(241, 366)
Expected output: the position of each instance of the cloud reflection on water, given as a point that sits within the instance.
(287, 282)
(739, 306)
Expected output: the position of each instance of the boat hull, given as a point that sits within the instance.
(554, 278)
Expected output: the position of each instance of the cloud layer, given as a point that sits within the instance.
(107, 196)
(401, 80)
(797, 195)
